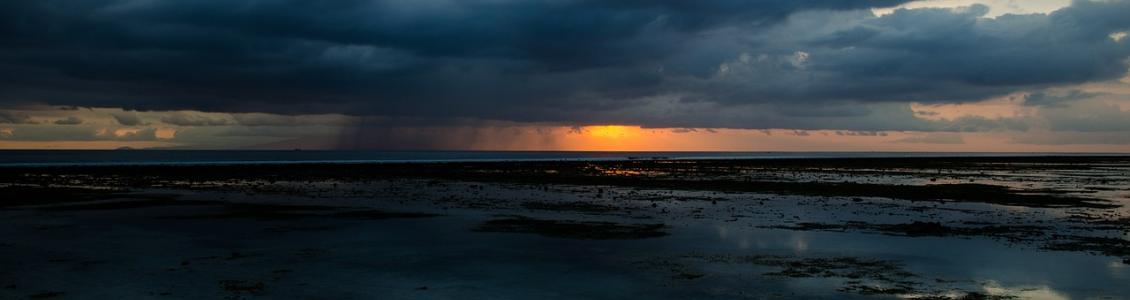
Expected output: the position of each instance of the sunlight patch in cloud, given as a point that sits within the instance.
(1010, 106)
(996, 7)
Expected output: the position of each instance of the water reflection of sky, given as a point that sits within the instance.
(1094, 181)
(997, 268)
(391, 259)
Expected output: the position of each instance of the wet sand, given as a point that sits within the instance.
(923, 228)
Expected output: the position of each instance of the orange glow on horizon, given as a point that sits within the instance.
(607, 138)
(165, 133)
(621, 138)
(610, 131)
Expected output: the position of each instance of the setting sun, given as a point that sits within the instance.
(610, 131)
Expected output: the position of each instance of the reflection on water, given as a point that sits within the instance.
(1107, 182)
(587, 242)
(968, 264)
(383, 259)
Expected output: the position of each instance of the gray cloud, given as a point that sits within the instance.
(53, 133)
(145, 134)
(1087, 116)
(1046, 99)
(7, 117)
(77, 133)
(933, 138)
(928, 55)
(976, 124)
(127, 118)
(72, 120)
(676, 64)
(189, 119)
(860, 133)
(1074, 138)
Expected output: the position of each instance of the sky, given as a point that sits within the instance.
(618, 75)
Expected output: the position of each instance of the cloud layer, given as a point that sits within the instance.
(649, 63)
(510, 74)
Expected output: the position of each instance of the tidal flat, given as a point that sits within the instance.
(843, 228)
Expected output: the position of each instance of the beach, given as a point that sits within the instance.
(999, 227)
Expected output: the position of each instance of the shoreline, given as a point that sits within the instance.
(599, 157)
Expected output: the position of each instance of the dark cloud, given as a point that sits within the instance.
(262, 119)
(543, 61)
(933, 55)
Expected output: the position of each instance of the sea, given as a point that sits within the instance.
(31, 158)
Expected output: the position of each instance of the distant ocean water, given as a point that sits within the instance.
(228, 157)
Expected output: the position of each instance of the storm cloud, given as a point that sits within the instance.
(719, 63)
